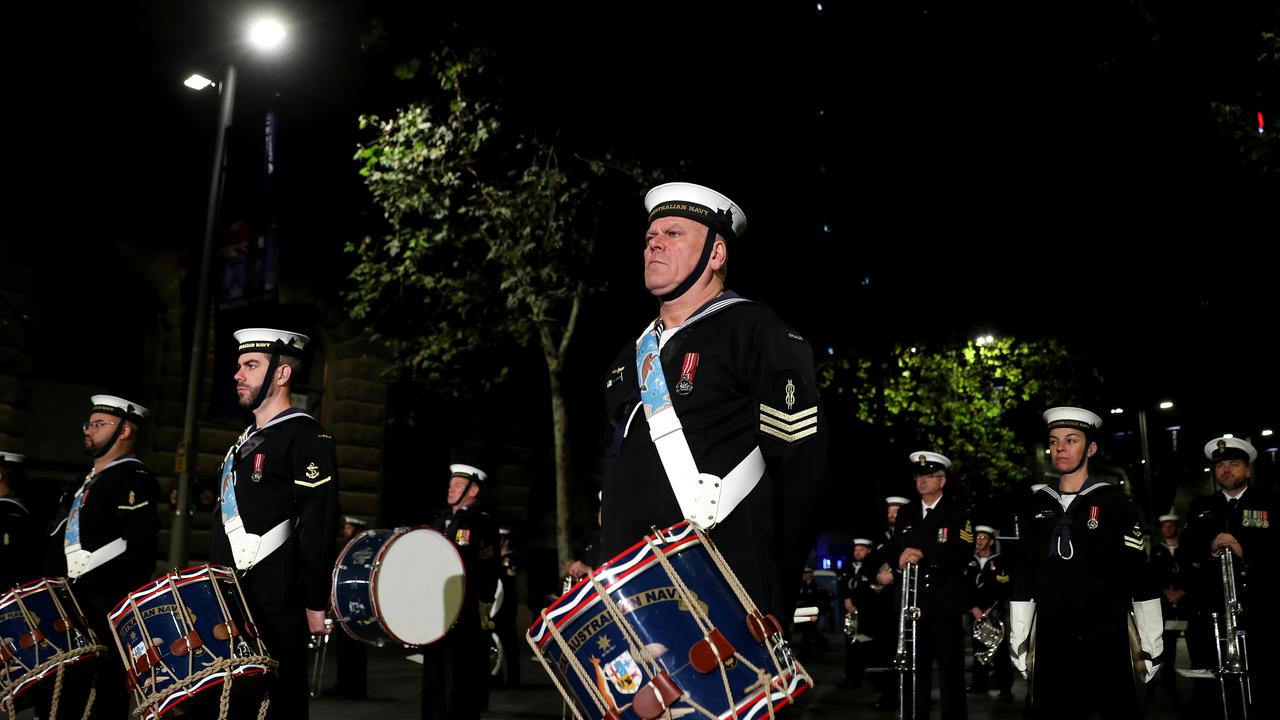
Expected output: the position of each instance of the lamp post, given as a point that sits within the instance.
(266, 34)
(1146, 456)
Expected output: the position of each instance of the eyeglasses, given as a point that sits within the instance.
(96, 425)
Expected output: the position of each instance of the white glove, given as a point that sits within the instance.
(1150, 622)
(1020, 615)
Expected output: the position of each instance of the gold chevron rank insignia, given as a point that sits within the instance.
(966, 532)
(788, 427)
(1133, 538)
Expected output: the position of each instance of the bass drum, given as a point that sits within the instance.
(403, 585)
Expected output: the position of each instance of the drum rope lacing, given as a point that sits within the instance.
(747, 603)
(565, 651)
(60, 659)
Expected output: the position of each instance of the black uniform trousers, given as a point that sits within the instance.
(1083, 664)
(353, 666)
(455, 672)
(97, 592)
(279, 612)
(939, 637)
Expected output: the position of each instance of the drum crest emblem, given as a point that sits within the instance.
(623, 673)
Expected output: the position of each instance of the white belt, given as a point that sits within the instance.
(248, 549)
(81, 561)
(703, 497)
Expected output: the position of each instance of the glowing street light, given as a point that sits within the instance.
(265, 35)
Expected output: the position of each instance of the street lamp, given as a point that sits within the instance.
(265, 34)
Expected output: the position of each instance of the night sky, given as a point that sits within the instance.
(910, 172)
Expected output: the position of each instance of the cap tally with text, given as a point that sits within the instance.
(699, 203)
(271, 341)
(1071, 417)
(896, 500)
(862, 541)
(1168, 518)
(9, 458)
(1230, 448)
(985, 529)
(468, 471)
(926, 462)
(118, 406)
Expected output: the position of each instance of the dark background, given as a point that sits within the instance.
(911, 172)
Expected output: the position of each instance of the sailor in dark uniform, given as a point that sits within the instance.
(936, 536)
(714, 408)
(860, 598)
(1237, 519)
(455, 670)
(277, 507)
(990, 583)
(504, 618)
(353, 655)
(1171, 573)
(884, 621)
(1080, 574)
(104, 533)
(19, 538)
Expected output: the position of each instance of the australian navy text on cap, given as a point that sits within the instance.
(927, 462)
(1230, 448)
(699, 203)
(118, 406)
(468, 471)
(1071, 417)
(271, 341)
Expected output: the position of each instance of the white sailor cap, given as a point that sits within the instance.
(985, 529)
(504, 531)
(1230, 448)
(9, 458)
(468, 471)
(896, 500)
(1168, 518)
(699, 203)
(926, 462)
(271, 341)
(862, 541)
(1072, 417)
(353, 520)
(118, 406)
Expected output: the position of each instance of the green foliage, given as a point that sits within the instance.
(488, 237)
(962, 400)
(1237, 118)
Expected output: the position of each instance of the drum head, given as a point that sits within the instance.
(419, 587)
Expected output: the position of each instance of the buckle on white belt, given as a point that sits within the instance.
(248, 549)
(81, 561)
(703, 497)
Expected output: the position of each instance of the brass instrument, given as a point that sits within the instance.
(851, 626)
(990, 632)
(1229, 639)
(904, 660)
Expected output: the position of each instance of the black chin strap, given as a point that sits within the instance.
(266, 384)
(1084, 456)
(463, 498)
(688, 282)
(111, 443)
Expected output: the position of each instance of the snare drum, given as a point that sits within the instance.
(403, 585)
(666, 625)
(43, 629)
(183, 636)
